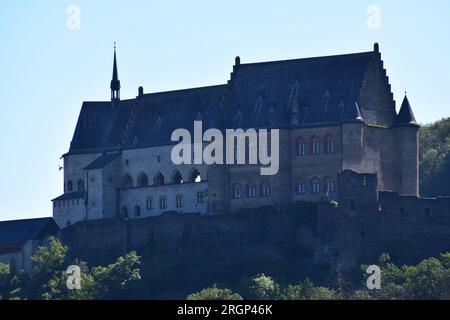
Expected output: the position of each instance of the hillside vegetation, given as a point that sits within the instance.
(434, 157)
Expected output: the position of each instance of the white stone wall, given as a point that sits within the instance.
(95, 194)
(67, 212)
(129, 198)
(112, 175)
(73, 168)
(146, 160)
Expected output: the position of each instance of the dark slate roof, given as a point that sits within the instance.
(320, 90)
(71, 195)
(102, 161)
(17, 232)
(323, 88)
(147, 120)
(405, 116)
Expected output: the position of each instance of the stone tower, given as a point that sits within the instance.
(406, 129)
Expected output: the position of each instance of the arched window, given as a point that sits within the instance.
(265, 189)
(124, 212)
(69, 186)
(137, 211)
(315, 145)
(80, 185)
(158, 179)
(127, 182)
(300, 187)
(142, 180)
(194, 176)
(300, 146)
(236, 191)
(315, 185)
(329, 144)
(176, 177)
(329, 185)
(251, 190)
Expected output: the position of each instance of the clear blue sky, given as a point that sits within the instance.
(47, 70)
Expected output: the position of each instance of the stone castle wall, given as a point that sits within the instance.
(302, 235)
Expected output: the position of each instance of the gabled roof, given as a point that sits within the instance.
(405, 116)
(102, 161)
(17, 232)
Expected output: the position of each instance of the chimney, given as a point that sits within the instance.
(140, 91)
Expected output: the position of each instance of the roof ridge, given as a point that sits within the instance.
(308, 58)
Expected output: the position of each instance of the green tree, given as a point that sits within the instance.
(261, 287)
(214, 293)
(5, 278)
(306, 290)
(434, 157)
(114, 280)
(426, 280)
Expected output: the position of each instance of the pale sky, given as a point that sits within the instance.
(47, 69)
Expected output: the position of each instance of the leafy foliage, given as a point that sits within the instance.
(49, 278)
(214, 293)
(434, 157)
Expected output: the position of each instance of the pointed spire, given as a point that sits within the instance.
(405, 116)
(352, 113)
(115, 82)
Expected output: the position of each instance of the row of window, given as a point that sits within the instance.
(142, 180)
(316, 146)
(159, 179)
(162, 204)
(80, 185)
(250, 190)
(315, 186)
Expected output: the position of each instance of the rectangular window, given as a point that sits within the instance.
(200, 197)
(162, 203)
(330, 186)
(329, 147)
(316, 187)
(110, 179)
(301, 149)
(301, 188)
(179, 200)
(265, 191)
(251, 192)
(149, 204)
(315, 148)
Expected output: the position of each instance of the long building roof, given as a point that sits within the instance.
(276, 94)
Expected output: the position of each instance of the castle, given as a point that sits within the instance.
(334, 113)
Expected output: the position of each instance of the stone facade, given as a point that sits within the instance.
(333, 114)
